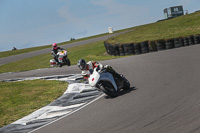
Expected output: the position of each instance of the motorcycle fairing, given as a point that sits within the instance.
(108, 77)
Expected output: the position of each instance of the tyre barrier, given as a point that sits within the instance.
(169, 43)
(116, 50)
(196, 39)
(185, 41)
(191, 40)
(121, 50)
(160, 44)
(137, 47)
(178, 42)
(129, 49)
(107, 46)
(144, 47)
(150, 46)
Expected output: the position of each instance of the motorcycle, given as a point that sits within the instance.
(106, 82)
(62, 59)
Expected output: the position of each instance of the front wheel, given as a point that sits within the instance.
(67, 61)
(108, 89)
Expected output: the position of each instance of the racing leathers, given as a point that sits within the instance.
(92, 64)
(54, 52)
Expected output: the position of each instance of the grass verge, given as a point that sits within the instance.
(177, 27)
(93, 51)
(18, 99)
(26, 50)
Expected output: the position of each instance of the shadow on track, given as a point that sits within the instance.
(122, 92)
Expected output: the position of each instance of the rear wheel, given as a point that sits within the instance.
(108, 89)
(60, 64)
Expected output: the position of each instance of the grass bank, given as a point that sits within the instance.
(18, 99)
(177, 27)
(94, 51)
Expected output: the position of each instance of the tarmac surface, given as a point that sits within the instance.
(164, 96)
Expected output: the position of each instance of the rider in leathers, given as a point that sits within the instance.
(87, 68)
(55, 51)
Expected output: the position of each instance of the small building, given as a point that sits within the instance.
(110, 30)
(174, 11)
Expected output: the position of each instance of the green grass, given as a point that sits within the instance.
(94, 51)
(18, 99)
(21, 51)
(177, 27)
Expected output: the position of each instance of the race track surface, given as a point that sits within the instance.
(164, 98)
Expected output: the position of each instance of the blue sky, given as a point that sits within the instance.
(30, 23)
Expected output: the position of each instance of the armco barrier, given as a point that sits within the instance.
(151, 46)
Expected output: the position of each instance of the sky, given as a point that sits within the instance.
(31, 23)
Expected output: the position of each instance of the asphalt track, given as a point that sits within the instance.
(165, 96)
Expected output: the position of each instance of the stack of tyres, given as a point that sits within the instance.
(121, 50)
(111, 49)
(106, 45)
(152, 46)
(160, 44)
(185, 41)
(129, 49)
(116, 49)
(144, 47)
(137, 47)
(169, 43)
(178, 42)
(196, 39)
(126, 52)
(191, 40)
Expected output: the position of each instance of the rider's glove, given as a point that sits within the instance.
(98, 68)
(107, 66)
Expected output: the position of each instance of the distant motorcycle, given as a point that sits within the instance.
(104, 81)
(62, 59)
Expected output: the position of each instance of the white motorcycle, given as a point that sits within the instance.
(106, 82)
(62, 59)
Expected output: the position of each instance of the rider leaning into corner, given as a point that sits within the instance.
(87, 68)
(54, 51)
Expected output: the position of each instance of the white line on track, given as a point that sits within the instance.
(68, 114)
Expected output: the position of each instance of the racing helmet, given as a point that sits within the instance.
(54, 45)
(81, 64)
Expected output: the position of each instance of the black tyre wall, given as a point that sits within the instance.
(106, 45)
(185, 41)
(169, 43)
(196, 39)
(178, 42)
(144, 47)
(160, 44)
(137, 47)
(129, 49)
(126, 49)
(191, 40)
(152, 46)
(116, 49)
(121, 50)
